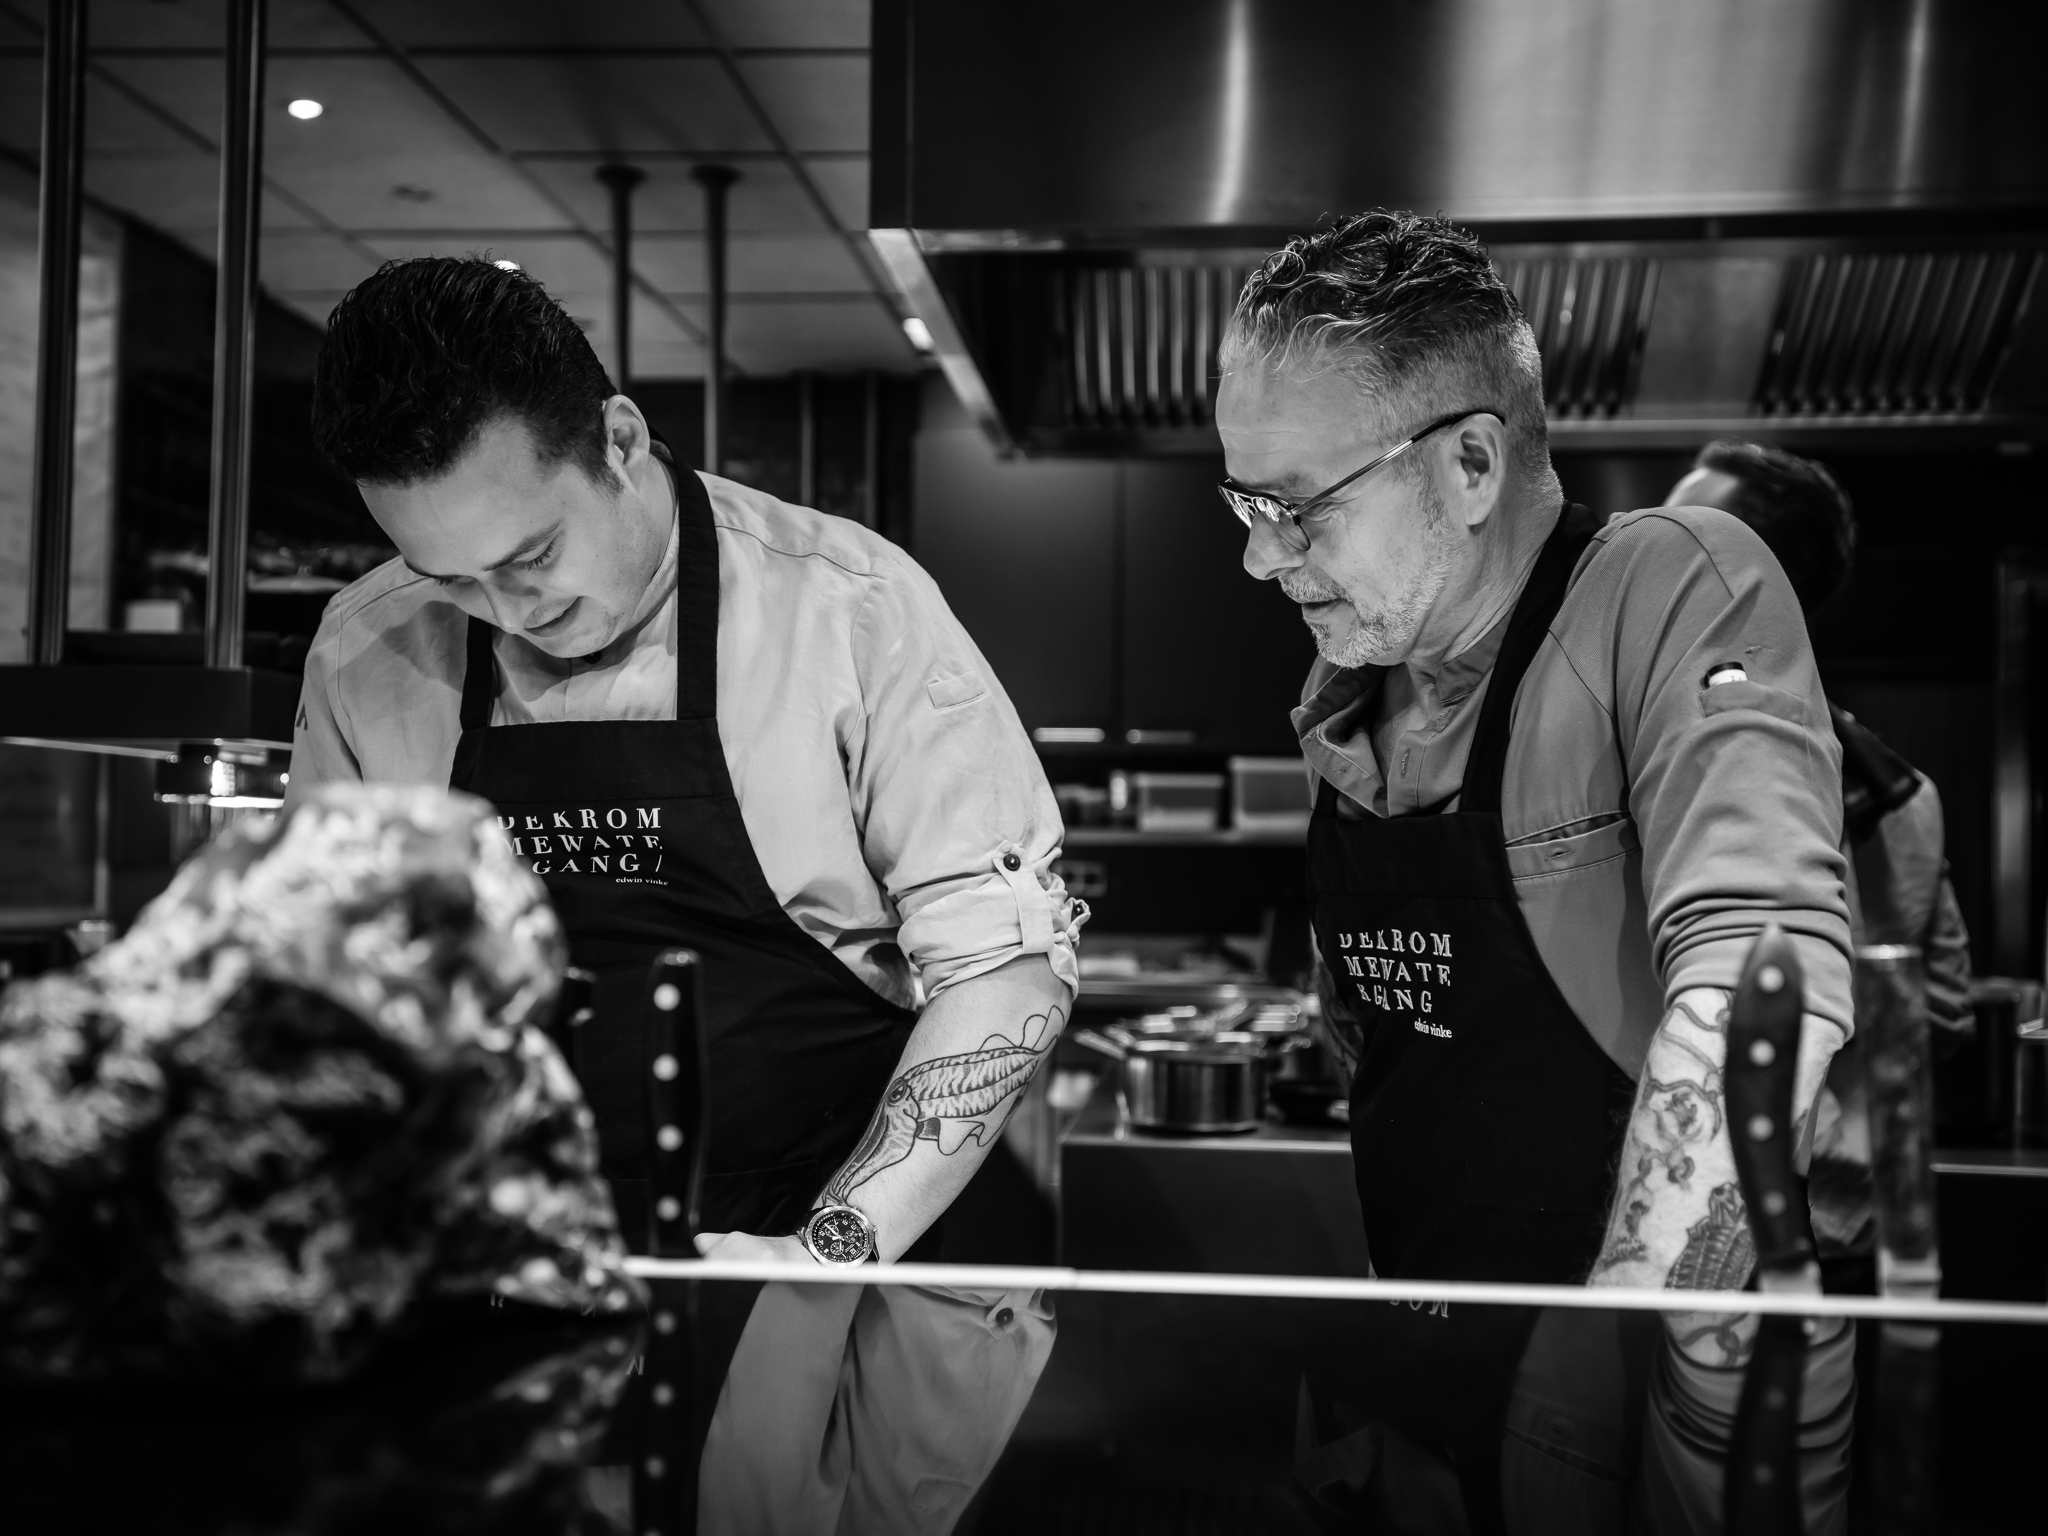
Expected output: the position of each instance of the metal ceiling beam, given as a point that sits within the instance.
(402, 57)
(234, 330)
(856, 246)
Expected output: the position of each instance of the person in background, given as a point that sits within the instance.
(1898, 882)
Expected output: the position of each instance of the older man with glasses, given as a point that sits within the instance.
(1566, 775)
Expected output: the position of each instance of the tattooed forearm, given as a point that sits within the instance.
(1719, 1249)
(949, 1101)
(1676, 1160)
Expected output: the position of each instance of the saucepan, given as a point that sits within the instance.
(1214, 1085)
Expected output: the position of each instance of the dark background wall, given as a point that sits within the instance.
(1108, 593)
(164, 412)
(1911, 646)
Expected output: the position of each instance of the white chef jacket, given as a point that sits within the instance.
(881, 771)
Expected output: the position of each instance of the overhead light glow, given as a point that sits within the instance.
(509, 266)
(305, 109)
(918, 333)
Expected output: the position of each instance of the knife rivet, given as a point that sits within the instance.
(665, 1067)
(1770, 979)
(1774, 1204)
(1762, 1052)
(1760, 1127)
(666, 996)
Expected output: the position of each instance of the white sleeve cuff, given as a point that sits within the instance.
(1019, 908)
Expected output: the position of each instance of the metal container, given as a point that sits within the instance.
(1208, 1087)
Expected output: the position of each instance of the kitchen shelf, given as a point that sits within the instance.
(1128, 837)
(147, 710)
(1998, 1162)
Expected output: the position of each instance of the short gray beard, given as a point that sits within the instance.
(1385, 637)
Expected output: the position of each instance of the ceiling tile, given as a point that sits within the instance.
(613, 105)
(817, 103)
(790, 23)
(534, 23)
(114, 123)
(379, 133)
(766, 198)
(152, 24)
(754, 264)
(306, 260)
(844, 184)
(783, 338)
(562, 262)
(177, 194)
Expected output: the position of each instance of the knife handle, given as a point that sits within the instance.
(1761, 1494)
(677, 1085)
(575, 1005)
(1763, 1055)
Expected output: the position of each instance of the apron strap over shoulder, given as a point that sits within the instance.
(696, 598)
(480, 677)
(1541, 597)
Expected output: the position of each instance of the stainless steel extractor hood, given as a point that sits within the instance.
(1799, 219)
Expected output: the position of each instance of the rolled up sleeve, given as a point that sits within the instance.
(957, 821)
(1735, 788)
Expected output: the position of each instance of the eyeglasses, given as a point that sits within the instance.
(1286, 516)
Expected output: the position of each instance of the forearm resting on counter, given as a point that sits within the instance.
(963, 1072)
(1678, 1220)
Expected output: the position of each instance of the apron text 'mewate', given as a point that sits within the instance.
(589, 840)
(1389, 973)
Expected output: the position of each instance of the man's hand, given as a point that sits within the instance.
(1679, 1222)
(745, 1248)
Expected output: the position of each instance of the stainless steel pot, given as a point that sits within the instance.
(1209, 1087)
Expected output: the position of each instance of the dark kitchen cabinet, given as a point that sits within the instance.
(1205, 647)
(1108, 594)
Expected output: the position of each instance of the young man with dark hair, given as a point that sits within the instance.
(710, 719)
(1566, 776)
(1892, 836)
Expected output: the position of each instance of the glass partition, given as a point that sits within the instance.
(997, 1400)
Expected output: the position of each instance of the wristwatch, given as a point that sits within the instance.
(839, 1234)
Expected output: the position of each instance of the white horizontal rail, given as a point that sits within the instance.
(1019, 1277)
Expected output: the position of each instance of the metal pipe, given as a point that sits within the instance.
(63, 208)
(234, 330)
(716, 180)
(620, 180)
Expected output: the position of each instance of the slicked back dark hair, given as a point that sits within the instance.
(1406, 304)
(424, 353)
(1797, 508)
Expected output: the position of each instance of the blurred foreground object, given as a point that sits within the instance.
(306, 1096)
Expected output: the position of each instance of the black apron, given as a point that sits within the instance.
(634, 827)
(1485, 1122)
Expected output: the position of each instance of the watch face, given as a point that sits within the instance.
(840, 1236)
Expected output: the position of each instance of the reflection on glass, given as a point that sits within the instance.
(1891, 1018)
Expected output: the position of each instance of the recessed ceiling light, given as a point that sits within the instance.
(509, 266)
(917, 333)
(305, 109)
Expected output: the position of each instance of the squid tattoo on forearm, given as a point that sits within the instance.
(948, 1101)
